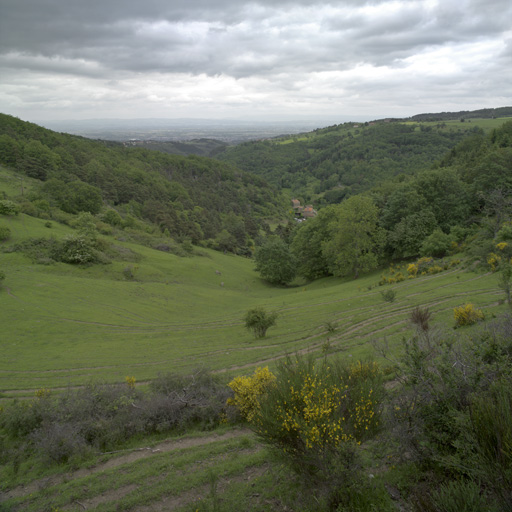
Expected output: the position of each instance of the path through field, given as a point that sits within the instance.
(169, 475)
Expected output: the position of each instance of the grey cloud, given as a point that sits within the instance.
(280, 44)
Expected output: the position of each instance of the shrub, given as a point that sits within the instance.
(39, 250)
(493, 260)
(455, 416)
(5, 233)
(76, 249)
(467, 315)
(104, 416)
(318, 412)
(275, 262)
(412, 269)
(59, 442)
(505, 281)
(259, 321)
(491, 422)
(8, 207)
(459, 497)
(421, 317)
(388, 295)
(437, 244)
(249, 390)
(424, 264)
(112, 217)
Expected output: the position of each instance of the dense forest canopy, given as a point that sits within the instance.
(463, 202)
(384, 190)
(190, 197)
(330, 164)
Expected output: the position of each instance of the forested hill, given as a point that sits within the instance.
(484, 113)
(333, 163)
(190, 197)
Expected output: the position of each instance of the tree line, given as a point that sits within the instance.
(188, 198)
(464, 202)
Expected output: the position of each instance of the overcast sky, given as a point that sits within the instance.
(262, 59)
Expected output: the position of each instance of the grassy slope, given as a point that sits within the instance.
(67, 325)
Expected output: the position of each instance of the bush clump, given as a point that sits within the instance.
(259, 321)
(467, 315)
(453, 417)
(8, 207)
(101, 417)
(5, 233)
(315, 409)
(249, 391)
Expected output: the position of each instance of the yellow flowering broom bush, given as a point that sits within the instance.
(467, 315)
(318, 411)
(249, 390)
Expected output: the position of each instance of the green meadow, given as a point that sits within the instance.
(68, 325)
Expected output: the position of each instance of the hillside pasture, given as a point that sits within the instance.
(68, 325)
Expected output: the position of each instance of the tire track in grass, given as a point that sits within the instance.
(199, 493)
(116, 495)
(349, 331)
(132, 455)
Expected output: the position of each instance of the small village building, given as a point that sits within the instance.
(303, 212)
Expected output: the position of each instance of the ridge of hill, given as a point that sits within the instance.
(483, 113)
(330, 164)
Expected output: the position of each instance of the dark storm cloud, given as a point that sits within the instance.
(351, 48)
(237, 38)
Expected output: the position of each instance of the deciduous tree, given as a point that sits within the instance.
(275, 262)
(356, 239)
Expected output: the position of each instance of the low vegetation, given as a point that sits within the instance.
(259, 321)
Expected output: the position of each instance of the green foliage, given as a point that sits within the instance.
(258, 320)
(360, 494)
(437, 244)
(191, 197)
(308, 240)
(406, 237)
(76, 249)
(446, 195)
(505, 281)
(454, 413)
(275, 262)
(341, 160)
(39, 160)
(112, 217)
(5, 233)
(388, 295)
(8, 207)
(491, 421)
(316, 407)
(315, 416)
(356, 239)
(460, 496)
(82, 197)
(73, 248)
